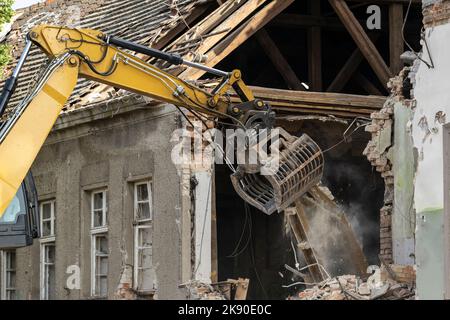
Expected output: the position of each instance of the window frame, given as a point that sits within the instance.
(44, 289)
(4, 290)
(94, 235)
(137, 248)
(104, 208)
(136, 202)
(139, 224)
(52, 218)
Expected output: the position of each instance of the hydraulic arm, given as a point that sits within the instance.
(106, 59)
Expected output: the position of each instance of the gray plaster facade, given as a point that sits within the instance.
(110, 146)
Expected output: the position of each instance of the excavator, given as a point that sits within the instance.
(94, 55)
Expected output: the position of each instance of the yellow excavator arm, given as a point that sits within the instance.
(106, 59)
(90, 54)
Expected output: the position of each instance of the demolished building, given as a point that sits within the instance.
(325, 74)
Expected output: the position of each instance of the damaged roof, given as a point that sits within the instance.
(142, 21)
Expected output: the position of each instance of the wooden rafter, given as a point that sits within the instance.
(362, 40)
(348, 69)
(233, 40)
(396, 46)
(366, 84)
(278, 60)
(315, 51)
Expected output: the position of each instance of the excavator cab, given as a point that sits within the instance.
(19, 222)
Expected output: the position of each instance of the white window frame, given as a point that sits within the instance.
(104, 208)
(137, 248)
(43, 265)
(4, 290)
(136, 202)
(141, 224)
(52, 218)
(94, 234)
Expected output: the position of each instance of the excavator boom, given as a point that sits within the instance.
(91, 54)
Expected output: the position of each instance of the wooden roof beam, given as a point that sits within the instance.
(362, 40)
(278, 60)
(239, 36)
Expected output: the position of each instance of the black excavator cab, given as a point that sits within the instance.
(19, 223)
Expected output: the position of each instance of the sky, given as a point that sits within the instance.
(24, 3)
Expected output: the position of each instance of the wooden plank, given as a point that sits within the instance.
(350, 101)
(366, 84)
(208, 24)
(241, 289)
(278, 60)
(396, 46)
(315, 51)
(229, 23)
(363, 42)
(299, 226)
(239, 36)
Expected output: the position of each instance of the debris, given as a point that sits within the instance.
(351, 287)
(225, 290)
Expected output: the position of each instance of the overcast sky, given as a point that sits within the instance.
(24, 3)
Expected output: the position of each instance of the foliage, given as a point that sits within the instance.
(6, 13)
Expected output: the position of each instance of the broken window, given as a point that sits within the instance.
(47, 211)
(143, 272)
(8, 276)
(98, 209)
(48, 271)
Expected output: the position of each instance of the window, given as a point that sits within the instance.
(143, 267)
(142, 201)
(98, 209)
(100, 265)
(47, 211)
(99, 244)
(8, 276)
(48, 271)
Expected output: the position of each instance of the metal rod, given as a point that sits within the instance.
(217, 72)
(172, 58)
(22, 58)
(11, 82)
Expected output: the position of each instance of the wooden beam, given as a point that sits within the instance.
(396, 46)
(366, 84)
(295, 20)
(315, 51)
(347, 70)
(308, 102)
(278, 60)
(239, 36)
(363, 42)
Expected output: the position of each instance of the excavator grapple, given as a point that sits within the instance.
(286, 174)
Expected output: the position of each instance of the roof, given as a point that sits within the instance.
(141, 21)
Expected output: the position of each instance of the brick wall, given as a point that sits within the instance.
(377, 152)
(436, 12)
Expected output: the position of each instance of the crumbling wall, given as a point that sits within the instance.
(390, 151)
(377, 152)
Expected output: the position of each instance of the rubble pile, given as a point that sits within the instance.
(203, 291)
(351, 287)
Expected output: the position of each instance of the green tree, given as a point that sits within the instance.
(6, 13)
